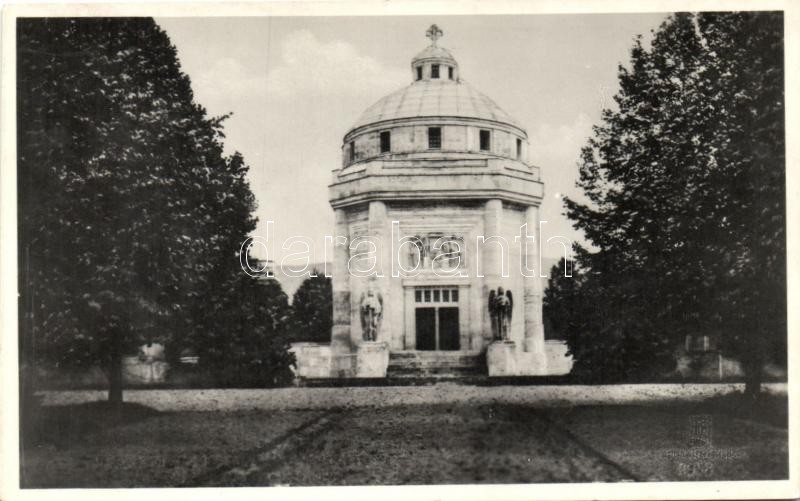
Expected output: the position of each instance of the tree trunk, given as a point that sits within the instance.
(115, 372)
(753, 377)
(754, 365)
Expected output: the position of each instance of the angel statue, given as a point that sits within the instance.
(371, 314)
(501, 305)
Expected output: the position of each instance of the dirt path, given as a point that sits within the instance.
(349, 397)
(441, 444)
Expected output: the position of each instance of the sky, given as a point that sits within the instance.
(295, 85)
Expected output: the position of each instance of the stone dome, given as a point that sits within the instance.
(434, 52)
(437, 117)
(435, 98)
(437, 91)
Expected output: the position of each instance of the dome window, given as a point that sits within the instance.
(519, 149)
(419, 72)
(352, 152)
(434, 71)
(486, 140)
(435, 138)
(386, 141)
(450, 72)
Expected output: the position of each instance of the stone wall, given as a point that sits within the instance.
(312, 360)
(508, 358)
(316, 360)
(135, 372)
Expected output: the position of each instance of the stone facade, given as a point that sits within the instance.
(433, 203)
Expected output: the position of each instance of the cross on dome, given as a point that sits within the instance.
(434, 33)
(434, 62)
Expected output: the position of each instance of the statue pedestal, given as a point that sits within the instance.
(501, 358)
(505, 358)
(372, 359)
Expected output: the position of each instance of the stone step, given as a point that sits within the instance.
(433, 354)
(435, 358)
(436, 364)
(398, 372)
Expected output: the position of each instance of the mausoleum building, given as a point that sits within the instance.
(436, 246)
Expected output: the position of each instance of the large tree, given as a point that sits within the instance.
(684, 182)
(128, 208)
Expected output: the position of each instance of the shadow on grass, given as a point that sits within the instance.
(766, 408)
(63, 425)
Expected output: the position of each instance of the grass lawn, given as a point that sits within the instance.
(88, 445)
(734, 442)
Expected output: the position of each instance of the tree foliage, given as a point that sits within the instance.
(130, 214)
(312, 307)
(605, 320)
(684, 187)
(243, 337)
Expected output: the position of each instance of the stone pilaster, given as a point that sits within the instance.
(340, 332)
(534, 324)
(491, 259)
(380, 233)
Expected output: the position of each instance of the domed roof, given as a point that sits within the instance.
(434, 51)
(432, 96)
(435, 98)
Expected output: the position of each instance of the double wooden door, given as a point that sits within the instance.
(437, 328)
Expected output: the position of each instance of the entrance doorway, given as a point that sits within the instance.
(437, 325)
